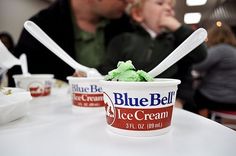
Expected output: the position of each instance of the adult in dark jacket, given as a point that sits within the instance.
(64, 21)
(157, 34)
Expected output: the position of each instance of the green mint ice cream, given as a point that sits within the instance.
(126, 72)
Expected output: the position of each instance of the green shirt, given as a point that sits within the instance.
(89, 47)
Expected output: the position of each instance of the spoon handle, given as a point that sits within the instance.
(24, 64)
(194, 40)
(42, 37)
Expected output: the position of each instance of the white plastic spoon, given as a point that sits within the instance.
(7, 59)
(24, 64)
(42, 37)
(194, 40)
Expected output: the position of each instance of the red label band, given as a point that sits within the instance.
(139, 119)
(88, 100)
(38, 91)
(47, 91)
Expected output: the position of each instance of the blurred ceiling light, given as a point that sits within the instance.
(195, 2)
(218, 23)
(192, 18)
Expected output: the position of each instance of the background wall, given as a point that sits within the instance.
(13, 14)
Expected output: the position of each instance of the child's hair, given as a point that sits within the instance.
(134, 4)
(139, 4)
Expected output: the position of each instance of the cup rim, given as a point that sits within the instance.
(34, 76)
(157, 81)
(69, 78)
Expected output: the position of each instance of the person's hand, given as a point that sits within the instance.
(204, 112)
(79, 74)
(169, 22)
(179, 103)
(90, 73)
(129, 1)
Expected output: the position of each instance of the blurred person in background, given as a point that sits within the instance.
(157, 34)
(217, 90)
(7, 40)
(83, 28)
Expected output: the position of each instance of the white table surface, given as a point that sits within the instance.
(52, 128)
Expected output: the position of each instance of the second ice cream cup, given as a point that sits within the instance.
(86, 92)
(139, 108)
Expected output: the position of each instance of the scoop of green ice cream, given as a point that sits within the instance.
(144, 76)
(126, 72)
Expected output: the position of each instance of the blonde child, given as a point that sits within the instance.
(157, 33)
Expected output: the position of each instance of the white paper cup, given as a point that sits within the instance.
(86, 92)
(139, 108)
(38, 84)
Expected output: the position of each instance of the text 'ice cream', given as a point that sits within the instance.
(126, 72)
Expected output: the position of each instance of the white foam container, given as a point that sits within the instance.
(14, 105)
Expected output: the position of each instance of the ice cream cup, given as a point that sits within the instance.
(38, 84)
(139, 109)
(86, 92)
